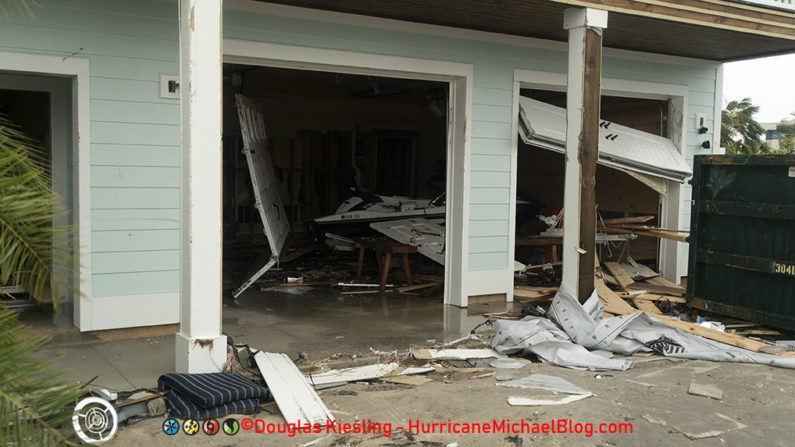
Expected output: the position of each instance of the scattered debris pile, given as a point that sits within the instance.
(573, 331)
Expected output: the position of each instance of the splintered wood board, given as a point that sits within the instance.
(713, 334)
(454, 354)
(354, 374)
(613, 303)
(678, 291)
(646, 306)
(655, 297)
(619, 274)
(662, 282)
(296, 398)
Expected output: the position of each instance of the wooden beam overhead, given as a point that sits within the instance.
(700, 12)
(706, 29)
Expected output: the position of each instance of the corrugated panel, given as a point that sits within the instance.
(742, 242)
(619, 146)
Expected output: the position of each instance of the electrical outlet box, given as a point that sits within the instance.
(700, 121)
(169, 86)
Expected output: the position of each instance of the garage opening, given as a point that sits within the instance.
(629, 185)
(347, 152)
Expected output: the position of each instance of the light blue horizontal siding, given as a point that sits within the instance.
(497, 114)
(134, 133)
(479, 228)
(127, 90)
(490, 179)
(489, 212)
(489, 244)
(134, 176)
(137, 261)
(487, 261)
(137, 283)
(141, 219)
(134, 198)
(492, 96)
(116, 111)
(129, 155)
(492, 146)
(135, 240)
(143, 134)
(478, 196)
(499, 163)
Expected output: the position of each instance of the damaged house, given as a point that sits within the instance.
(468, 99)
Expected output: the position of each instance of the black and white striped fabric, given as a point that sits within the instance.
(212, 395)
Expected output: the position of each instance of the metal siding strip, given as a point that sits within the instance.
(297, 400)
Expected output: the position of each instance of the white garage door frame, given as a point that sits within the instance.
(458, 75)
(76, 69)
(670, 204)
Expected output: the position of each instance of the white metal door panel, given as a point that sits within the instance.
(267, 192)
(620, 147)
(428, 237)
(263, 178)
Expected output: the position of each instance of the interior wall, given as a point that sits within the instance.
(319, 122)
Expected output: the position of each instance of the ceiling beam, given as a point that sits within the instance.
(711, 14)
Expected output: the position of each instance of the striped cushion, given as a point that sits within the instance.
(203, 396)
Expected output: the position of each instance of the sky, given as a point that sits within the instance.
(769, 82)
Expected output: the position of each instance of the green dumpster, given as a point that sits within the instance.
(742, 237)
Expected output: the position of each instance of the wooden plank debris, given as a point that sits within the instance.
(646, 306)
(530, 296)
(619, 274)
(407, 380)
(660, 281)
(678, 291)
(656, 297)
(713, 334)
(417, 287)
(613, 303)
(627, 220)
(297, 400)
(454, 354)
(638, 271)
(355, 374)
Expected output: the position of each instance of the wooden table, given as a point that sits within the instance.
(387, 247)
(550, 243)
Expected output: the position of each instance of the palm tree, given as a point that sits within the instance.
(739, 132)
(35, 403)
(35, 254)
(787, 129)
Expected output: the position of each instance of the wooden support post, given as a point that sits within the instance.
(200, 346)
(582, 147)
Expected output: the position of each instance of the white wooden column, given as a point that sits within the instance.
(585, 27)
(200, 347)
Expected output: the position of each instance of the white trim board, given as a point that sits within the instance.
(341, 18)
(460, 78)
(79, 71)
(670, 204)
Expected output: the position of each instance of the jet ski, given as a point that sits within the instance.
(354, 215)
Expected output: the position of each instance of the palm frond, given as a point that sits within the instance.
(35, 404)
(34, 253)
(8, 7)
